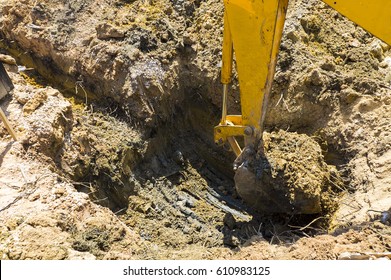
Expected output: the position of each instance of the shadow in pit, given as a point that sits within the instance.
(273, 229)
(241, 223)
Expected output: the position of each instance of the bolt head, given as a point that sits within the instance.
(219, 142)
(248, 131)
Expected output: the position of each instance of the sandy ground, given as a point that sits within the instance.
(117, 171)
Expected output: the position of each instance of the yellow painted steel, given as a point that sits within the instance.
(373, 15)
(225, 131)
(253, 30)
(226, 68)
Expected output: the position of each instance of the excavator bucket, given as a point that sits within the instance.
(266, 196)
(285, 173)
(253, 30)
(290, 176)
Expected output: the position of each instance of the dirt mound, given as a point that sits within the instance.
(292, 177)
(37, 201)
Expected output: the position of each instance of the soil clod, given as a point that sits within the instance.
(292, 176)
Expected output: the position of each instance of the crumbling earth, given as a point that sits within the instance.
(126, 160)
(289, 176)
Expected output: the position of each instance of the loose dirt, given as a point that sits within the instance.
(288, 176)
(114, 107)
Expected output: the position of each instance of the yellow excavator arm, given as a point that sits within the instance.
(374, 15)
(253, 30)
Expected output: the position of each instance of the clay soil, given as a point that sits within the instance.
(114, 106)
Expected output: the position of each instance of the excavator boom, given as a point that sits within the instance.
(253, 31)
(374, 16)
